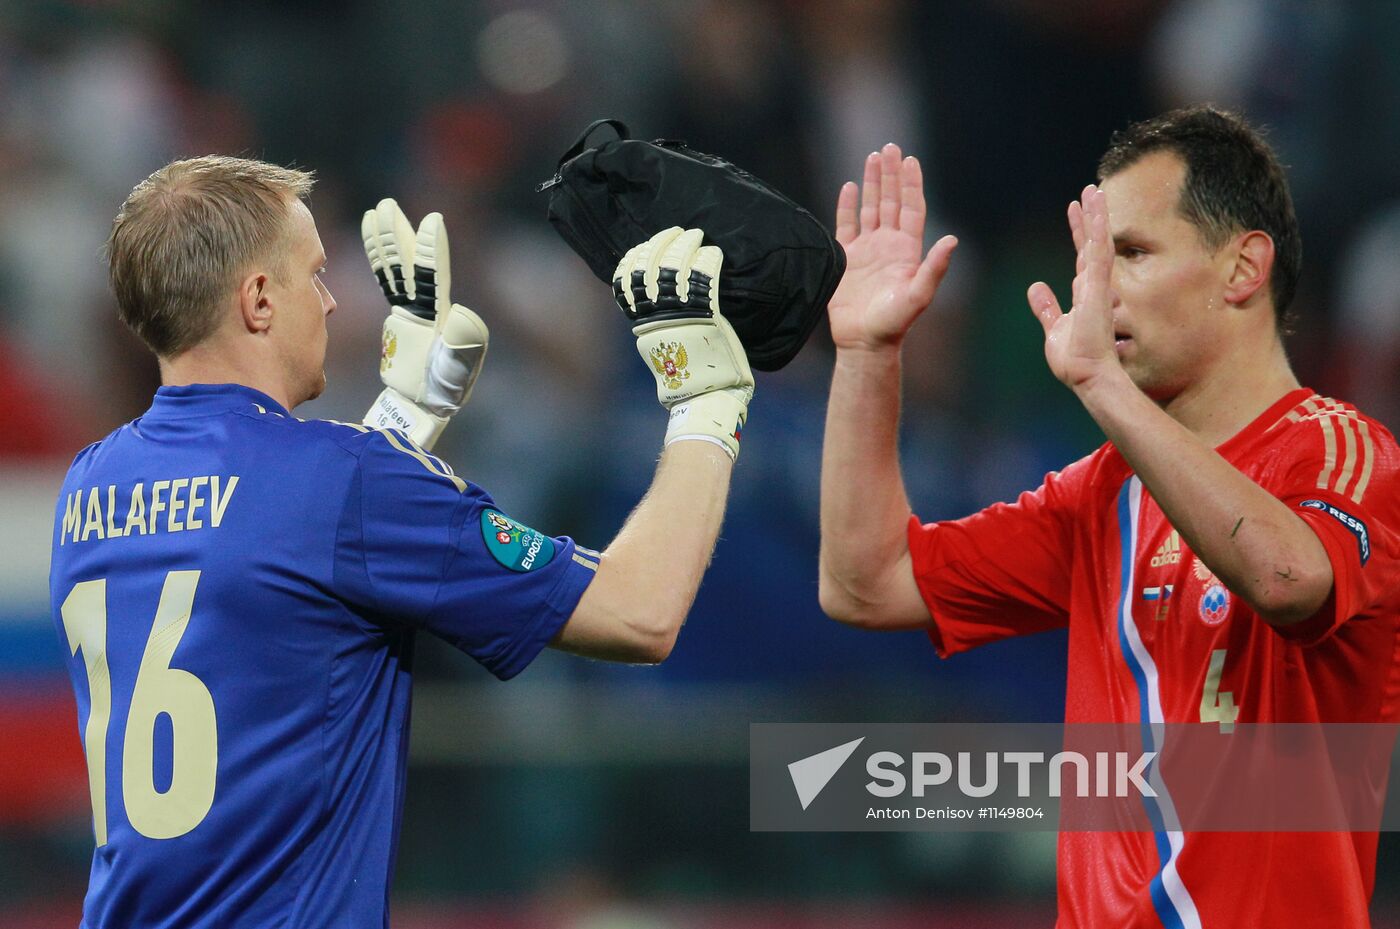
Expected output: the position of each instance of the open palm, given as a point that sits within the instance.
(888, 281)
(1079, 343)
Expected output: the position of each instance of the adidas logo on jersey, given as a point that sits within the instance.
(1169, 552)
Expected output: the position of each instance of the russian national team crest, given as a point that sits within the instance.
(387, 351)
(515, 546)
(670, 360)
(1215, 599)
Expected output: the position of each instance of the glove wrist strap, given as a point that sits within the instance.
(717, 417)
(392, 410)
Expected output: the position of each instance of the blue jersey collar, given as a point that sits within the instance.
(209, 400)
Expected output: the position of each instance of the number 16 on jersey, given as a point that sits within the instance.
(160, 689)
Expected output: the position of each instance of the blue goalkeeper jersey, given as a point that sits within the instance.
(238, 592)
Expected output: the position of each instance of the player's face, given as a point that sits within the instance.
(303, 304)
(1171, 321)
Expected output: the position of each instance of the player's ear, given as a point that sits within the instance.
(1253, 263)
(254, 304)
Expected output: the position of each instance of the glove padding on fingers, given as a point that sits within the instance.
(433, 349)
(669, 288)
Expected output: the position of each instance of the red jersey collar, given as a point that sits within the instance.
(1261, 423)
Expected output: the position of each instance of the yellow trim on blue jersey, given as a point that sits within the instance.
(423, 458)
(358, 427)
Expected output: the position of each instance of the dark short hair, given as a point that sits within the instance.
(1234, 183)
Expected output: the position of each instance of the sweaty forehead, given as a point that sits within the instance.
(1146, 193)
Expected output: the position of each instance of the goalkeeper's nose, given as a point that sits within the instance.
(327, 300)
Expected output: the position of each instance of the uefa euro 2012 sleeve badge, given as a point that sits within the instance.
(516, 546)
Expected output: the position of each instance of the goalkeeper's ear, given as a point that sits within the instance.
(254, 304)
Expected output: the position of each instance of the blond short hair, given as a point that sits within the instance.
(185, 235)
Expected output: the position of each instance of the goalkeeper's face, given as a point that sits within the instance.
(303, 303)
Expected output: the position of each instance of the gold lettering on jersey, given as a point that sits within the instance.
(136, 512)
(173, 523)
(112, 531)
(72, 515)
(94, 516)
(218, 504)
(194, 503)
(157, 504)
(1169, 552)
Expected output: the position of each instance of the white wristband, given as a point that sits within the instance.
(718, 416)
(392, 410)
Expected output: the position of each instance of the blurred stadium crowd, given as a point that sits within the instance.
(606, 796)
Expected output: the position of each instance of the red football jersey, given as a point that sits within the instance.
(1154, 636)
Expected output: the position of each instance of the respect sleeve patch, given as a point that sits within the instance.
(1355, 526)
(516, 546)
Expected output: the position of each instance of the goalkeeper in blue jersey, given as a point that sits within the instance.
(239, 590)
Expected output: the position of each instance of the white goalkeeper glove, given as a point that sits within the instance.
(433, 348)
(669, 288)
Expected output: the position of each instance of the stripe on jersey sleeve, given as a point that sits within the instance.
(433, 464)
(1348, 450)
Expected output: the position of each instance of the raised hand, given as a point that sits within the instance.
(1079, 345)
(433, 348)
(668, 286)
(886, 285)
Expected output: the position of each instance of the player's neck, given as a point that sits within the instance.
(211, 364)
(1233, 394)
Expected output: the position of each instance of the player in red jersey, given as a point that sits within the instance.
(1230, 555)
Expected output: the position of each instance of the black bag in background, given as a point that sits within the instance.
(780, 265)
